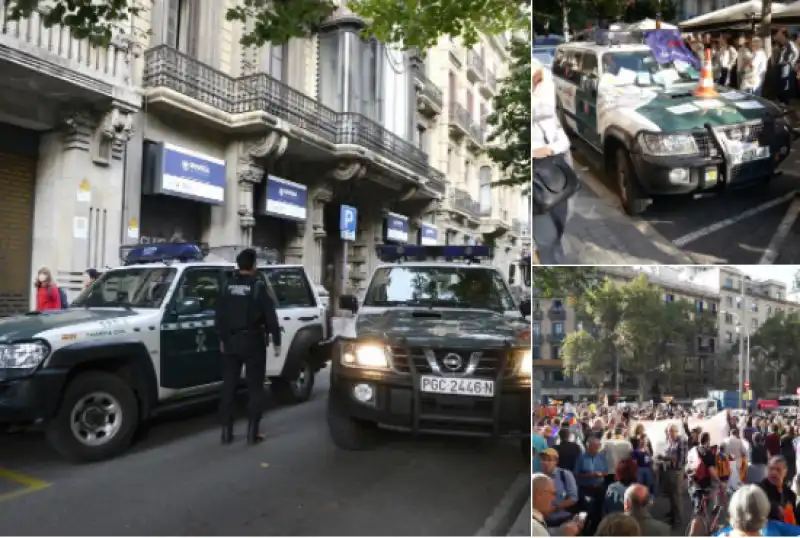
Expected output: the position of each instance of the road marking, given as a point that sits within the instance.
(644, 227)
(717, 226)
(775, 245)
(28, 484)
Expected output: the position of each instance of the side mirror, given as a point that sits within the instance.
(349, 303)
(189, 306)
(525, 308)
(512, 271)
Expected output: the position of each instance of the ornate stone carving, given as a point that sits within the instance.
(347, 170)
(78, 127)
(249, 172)
(117, 125)
(272, 145)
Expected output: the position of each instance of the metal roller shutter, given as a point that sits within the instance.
(17, 182)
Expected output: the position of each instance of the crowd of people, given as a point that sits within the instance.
(603, 471)
(741, 62)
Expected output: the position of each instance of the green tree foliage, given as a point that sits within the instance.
(630, 321)
(510, 123)
(417, 23)
(581, 12)
(561, 282)
(775, 347)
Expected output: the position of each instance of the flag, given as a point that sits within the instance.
(668, 46)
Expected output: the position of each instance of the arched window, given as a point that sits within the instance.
(485, 194)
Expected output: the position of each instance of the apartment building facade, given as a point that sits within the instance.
(179, 132)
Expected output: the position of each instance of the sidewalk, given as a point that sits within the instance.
(522, 526)
(600, 234)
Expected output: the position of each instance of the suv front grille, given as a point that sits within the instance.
(471, 362)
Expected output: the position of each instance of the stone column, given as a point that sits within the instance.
(248, 175)
(319, 198)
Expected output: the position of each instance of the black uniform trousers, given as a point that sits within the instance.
(255, 364)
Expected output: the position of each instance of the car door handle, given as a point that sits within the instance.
(287, 319)
(308, 318)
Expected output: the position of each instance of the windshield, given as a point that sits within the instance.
(448, 287)
(545, 57)
(642, 69)
(135, 287)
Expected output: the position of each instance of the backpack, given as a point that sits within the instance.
(62, 295)
(700, 472)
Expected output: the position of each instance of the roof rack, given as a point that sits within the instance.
(184, 252)
(468, 253)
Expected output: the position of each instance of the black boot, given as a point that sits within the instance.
(227, 434)
(253, 435)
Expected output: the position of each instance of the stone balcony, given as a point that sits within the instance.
(430, 99)
(463, 203)
(476, 68)
(39, 63)
(489, 86)
(177, 84)
(463, 126)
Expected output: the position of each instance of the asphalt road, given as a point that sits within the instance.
(732, 227)
(178, 480)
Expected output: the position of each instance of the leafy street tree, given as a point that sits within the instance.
(417, 24)
(510, 123)
(548, 14)
(562, 282)
(775, 351)
(631, 321)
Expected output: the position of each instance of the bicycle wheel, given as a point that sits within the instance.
(697, 527)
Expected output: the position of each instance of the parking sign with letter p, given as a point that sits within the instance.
(348, 217)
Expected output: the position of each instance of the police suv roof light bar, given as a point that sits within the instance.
(162, 253)
(468, 253)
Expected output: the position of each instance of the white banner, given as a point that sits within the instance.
(656, 430)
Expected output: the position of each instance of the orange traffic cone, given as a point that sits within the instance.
(705, 86)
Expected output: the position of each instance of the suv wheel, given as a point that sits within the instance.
(295, 385)
(629, 188)
(97, 419)
(349, 433)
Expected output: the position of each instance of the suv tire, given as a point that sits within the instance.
(295, 385)
(631, 194)
(101, 388)
(349, 433)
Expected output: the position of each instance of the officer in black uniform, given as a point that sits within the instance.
(245, 317)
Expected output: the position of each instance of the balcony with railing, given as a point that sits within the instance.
(519, 227)
(476, 68)
(460, 120)
(429, 96)
(489, 87)
(477, 136)
(250, 102)
(67, 65)
(462, 202)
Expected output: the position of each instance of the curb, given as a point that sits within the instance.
(508, 509)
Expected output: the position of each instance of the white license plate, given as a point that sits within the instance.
(457, 385)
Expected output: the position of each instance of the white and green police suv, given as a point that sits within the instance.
(434, 347)
(655, 136)
(141, 340)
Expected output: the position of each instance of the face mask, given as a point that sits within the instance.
(42, 278)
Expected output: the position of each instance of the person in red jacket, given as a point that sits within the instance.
(47, 296)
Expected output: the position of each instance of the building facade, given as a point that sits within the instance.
(179, 132)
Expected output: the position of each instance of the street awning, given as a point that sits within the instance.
(790, 14)
(733, 15)
(650, 24)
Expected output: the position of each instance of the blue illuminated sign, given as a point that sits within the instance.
(428, 234)
(285, 199)
(348, 219)
(189, 174)
(397, 228)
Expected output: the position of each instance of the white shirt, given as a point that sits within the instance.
(546, 131)
(727, 57)
(537, 529)
(735, 448)
(756, 70)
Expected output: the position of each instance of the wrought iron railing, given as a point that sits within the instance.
(429, 89)
(475, 62)
(460, 116)
(437, 181)
(462, 201)
(169, 68)
(491, 80)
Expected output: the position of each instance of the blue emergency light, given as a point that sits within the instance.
(162, 252)
(392, 253)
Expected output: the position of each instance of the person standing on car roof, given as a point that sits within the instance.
(244, 318)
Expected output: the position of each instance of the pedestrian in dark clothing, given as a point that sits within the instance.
(787, 450)
(783, 501)
(245, 317)
(773, 441)
(568, 450)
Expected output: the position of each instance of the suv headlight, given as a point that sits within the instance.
(659, 145)
(23, 356)
(365, 355)
(523, 359)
